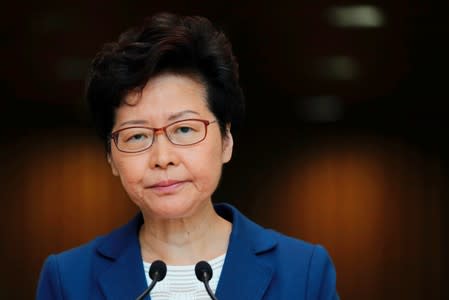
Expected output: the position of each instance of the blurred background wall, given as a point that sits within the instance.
(344, 142)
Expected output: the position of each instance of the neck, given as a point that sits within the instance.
(185, 241)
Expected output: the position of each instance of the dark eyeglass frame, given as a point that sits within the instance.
(114, 135)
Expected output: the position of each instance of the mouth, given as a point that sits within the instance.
(167, 186)
(166, 183)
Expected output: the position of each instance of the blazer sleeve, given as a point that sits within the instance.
(49, 286)
(321, 283)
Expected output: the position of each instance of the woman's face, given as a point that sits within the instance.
(169, 181)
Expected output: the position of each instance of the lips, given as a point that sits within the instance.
(165, 183)
(167, 186)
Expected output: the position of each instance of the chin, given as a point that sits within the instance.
(170, 209)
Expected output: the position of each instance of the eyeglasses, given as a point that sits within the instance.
(182, 133)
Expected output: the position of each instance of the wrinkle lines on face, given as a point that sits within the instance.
(200, 165)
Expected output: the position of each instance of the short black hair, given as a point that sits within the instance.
(165, 42)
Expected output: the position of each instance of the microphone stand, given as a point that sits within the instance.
(206, 285)
(203, 272)
(148, 290)
(157, 272)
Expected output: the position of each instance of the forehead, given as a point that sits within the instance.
(162, 97)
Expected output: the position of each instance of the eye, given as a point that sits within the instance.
(184, 129)
(136, 137)
(132, 135)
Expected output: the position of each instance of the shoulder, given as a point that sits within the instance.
(75, 258)
(295, 251)
(263, 240)
(107, 246)
(304, 264)
(305, 267)
(75, 268)
(296, 247)
(68, 268)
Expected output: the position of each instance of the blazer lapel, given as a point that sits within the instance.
(243, 276)
(124, 277)
(246, 274)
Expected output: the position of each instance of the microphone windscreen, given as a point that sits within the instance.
(158, 270)
(203, 268)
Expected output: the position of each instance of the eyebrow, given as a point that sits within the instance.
(177, 115)
(172, 117)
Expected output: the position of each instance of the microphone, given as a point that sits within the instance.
(157, 272)
(203, 272)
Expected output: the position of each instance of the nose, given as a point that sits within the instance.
(162, 152)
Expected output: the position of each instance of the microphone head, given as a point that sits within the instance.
(158, 270)
(203, 271)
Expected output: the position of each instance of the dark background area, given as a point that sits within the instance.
(344, 144)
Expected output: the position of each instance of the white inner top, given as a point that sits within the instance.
(181, 283)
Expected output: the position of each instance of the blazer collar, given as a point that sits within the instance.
(245, 275)
(124, 278)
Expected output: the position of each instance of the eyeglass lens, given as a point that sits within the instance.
(186, 132)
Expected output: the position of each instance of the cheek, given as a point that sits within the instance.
(131, 171)
(205, 166)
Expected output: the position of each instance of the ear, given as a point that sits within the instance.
(113, 167)
(228, 144)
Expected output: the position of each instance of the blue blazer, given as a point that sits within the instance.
(260, 264)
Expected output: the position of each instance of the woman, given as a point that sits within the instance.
(163, 98)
